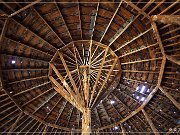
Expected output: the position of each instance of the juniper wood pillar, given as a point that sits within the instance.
(86, 122)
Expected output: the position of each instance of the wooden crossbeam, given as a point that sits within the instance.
(167, 19)
(150, 123)
(48, 25)
(107, 91)
(106, 79)
(15, 123)
(140, 61)
(122, 31)
(137, 8)
(138, 36)
(107, 27)
(79, 99)
(156, 32)
(170, 97)
(24, 8)
(98, 75)
(173, 59)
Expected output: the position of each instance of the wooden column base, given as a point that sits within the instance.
(86, 121)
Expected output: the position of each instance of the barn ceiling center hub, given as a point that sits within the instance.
(84, 72)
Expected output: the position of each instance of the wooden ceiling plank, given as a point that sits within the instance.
(111, 20)
(33, 33)
(138, 36)
(25, 125)
(158, 4)
(97, 116)
(24, 57)
(137, 8)
(28, 79)
(71, 112)
(140, 61)
(80, 18)
(56, 3)
(48, 25)
(106, 79)
(37, 128)
(40, 51)
(52, 108)
(24, 8)
(166, 9)
(124, 29)
(8, 121)
(32, 127)
(138, 71)
(97, 9)
(138, 50)
(139, 81)
(170, 97)
(61, 111)
(98, 76)
(29, 101)
(156, 132)
(27, 90)
(49, 98)
(4, 29)
(78, 98)
(107, 115)
(4, 2)
(22, 123)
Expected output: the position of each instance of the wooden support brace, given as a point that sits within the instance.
(167, 19)
(24, 8)
(173, 59)
(156, 132)
(170, 97)
(15, 123)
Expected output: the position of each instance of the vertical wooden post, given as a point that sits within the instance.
(86, 122)
(150, 123)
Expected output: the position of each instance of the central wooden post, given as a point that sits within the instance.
(86, 122)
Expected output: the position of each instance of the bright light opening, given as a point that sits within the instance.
(137, 88)
(142, 89)
(13, 61)
(143, 98)
(112, 101)
(148, 90)
(137, 97)
(115, 128)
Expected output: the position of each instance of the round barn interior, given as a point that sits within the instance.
(81, 66)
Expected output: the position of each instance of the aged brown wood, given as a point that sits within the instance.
(15, 123)
(170, 97)
(167, 19)
(24, 8)
(150, 123)
(86, 122)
